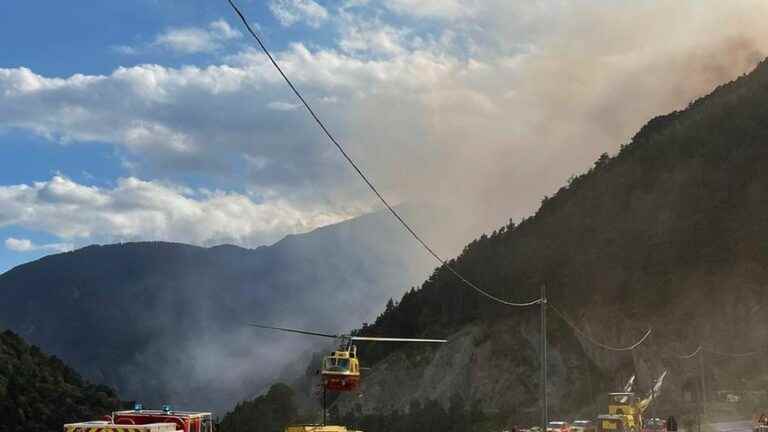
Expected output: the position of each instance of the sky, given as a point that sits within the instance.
(159, 120)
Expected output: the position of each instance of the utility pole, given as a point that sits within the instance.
(703, 390)
(703, 377)
(544, 404)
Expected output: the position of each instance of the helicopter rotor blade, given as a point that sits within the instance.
(383, 339)
(304, 332)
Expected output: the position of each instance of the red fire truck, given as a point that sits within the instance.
(141, 420)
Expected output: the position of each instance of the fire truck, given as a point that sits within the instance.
(141, 420)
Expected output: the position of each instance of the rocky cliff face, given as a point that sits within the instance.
(498, 364)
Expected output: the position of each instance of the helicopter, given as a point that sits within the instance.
(340, 371)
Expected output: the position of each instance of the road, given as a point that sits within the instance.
(737, 426)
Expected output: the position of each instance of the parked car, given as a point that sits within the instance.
(655, 424)
(583, 426)
(558, 426)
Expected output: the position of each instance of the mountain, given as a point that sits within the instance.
(39, 393)
(670, 233)
(165, 322)
(269, 412)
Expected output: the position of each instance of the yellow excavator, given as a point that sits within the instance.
(625, 410)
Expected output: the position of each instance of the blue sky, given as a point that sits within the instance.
(158, 120)
(66, 38)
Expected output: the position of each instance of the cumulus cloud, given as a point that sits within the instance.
(360, 35)
(289, 12)
(487, 113)
(443, 9)
(194, 118)
(187, 40)
(26, 245)
(136, 209)
(283, 106)
(190, 40)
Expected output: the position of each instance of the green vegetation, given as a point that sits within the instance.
(39, 393)
(671, 227)
(270, 412)
(670, 232)
(420, 417)
(277, 408)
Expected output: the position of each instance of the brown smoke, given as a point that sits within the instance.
(503, 133)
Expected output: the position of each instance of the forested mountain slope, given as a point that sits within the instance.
(39, 393)
(670, 233)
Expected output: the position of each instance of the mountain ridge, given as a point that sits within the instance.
(166, 322)
(668, 233)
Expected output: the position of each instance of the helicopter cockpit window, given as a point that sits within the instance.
(334, 364)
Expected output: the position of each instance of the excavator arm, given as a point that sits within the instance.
(643, 404)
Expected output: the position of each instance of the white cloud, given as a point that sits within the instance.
(283, 106)
(222, 30)
(371, 36)
(138, 210)
(289, 12)
(451, 9)
(189, 119)
(26, 245)
(125, 49)
(494, 109)
(188, 40)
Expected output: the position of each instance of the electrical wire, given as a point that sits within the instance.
(419, 239)
(367, 181)
(745, 354)
(691, 355)
(600, 344)
(702, 349)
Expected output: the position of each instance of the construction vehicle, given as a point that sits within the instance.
(611, 423)
(631, 408)
(654, 424)
(760, 423)
(141, 420)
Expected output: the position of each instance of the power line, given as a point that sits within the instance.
(365, 178)
(691, 355)
(416, 236)
(701, 349)
(744, 354)
(600, 344)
